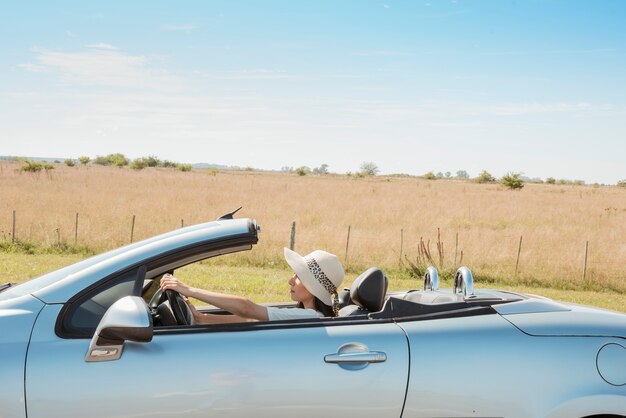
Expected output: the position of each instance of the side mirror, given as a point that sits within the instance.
(127, 319)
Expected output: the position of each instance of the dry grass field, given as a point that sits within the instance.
(555, 221)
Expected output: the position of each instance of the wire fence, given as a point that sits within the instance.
(513, 256)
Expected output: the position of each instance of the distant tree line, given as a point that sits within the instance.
(120, 160)
(35, 167)
(511, 180)
(304, 170)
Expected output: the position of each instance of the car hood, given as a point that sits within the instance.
(549, 318)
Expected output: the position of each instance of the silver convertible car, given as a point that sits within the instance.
(99, 339)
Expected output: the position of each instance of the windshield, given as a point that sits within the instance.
(198, 232)
(50, 278)
(40, 282)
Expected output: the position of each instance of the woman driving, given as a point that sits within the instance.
(313, 285)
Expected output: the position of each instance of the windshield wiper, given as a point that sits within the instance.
(6, 286)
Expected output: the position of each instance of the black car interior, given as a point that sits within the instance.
(367, 297)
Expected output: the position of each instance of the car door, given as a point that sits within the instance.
(311, 368)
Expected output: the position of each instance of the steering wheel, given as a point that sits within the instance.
(178, 307)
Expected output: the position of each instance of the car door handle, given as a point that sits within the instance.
(364, 357)
(354, 356)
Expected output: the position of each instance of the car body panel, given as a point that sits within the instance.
(484, 367)
(17, 317)
(578, 320)
(531, 305)
(278, 372)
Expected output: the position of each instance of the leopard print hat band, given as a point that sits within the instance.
(320, 276)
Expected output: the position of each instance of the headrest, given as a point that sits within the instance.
(344, 297)
(369, 289)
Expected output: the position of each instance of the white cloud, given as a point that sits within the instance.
(380, 53)
(261, 74)
(435, 113)
(33, 68)
(103, 65)
(518, 109)
(102, 45)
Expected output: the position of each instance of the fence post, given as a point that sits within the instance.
(440, 248)
(586, 253)
(456, 249)
(292, 237)
(347, 244)
(13, 233)
(132, 230)
(182, 223)
(519, 250)
(76, 230)
(58, 231)
(401, 244)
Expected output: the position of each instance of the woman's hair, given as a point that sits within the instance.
(320, 307)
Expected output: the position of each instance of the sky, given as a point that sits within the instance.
(537, 87)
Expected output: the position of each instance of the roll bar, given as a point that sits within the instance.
(464, 282)
(431, 279)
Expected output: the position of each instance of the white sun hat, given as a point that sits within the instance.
(320, 272)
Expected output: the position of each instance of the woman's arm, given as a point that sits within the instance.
(236, 305)
(200, 318)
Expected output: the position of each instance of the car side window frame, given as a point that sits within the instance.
(65, 326)
(164, 261)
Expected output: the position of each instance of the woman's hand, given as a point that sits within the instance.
(169, 282)
(197, 316)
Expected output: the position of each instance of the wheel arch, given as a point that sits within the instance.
(596, 406)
